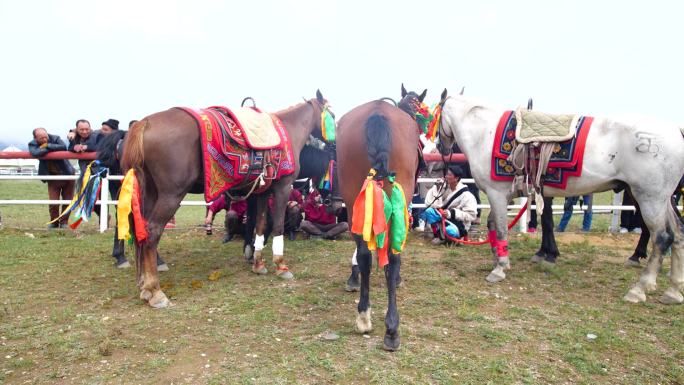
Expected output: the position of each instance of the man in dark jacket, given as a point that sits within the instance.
(41, 144)
(83, 139)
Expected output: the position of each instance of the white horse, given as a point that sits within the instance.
(645, 154)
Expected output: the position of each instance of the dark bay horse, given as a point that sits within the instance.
(164, 150)
(381, 136)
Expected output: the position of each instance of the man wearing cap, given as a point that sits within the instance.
(456, 204)
(109, 126)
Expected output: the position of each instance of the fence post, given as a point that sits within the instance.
(104, 204)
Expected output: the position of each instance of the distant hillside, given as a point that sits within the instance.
(23, 146)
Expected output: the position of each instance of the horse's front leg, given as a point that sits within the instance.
(498, 236)
(281, 193)
(363, 256)
(258, 266)
(391, 341)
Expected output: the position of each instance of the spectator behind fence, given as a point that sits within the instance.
(318, 221)
(41, 144)
(82, 140)
(567, 212)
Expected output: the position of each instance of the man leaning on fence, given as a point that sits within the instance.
(41, 144)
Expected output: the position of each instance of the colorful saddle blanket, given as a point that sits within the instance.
(229, 161)
(566, 159)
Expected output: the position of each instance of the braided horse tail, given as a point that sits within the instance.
(379, 144)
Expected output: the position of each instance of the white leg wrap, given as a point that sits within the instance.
(258, 243)
(278, 245)
(354, 262)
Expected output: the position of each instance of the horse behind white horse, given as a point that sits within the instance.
(643, 153)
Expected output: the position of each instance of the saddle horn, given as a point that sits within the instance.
(462, 90)
(529, 104)
(390, 100)
(246, 99)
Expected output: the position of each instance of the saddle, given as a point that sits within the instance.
(241, 150)
(535, 149)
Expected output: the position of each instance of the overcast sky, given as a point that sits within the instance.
(125, 59)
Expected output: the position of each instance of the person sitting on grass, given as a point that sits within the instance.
(456, 203)
(318, 222)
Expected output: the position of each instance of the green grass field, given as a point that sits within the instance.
(68, 316)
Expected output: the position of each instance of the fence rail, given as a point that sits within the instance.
(104, 200)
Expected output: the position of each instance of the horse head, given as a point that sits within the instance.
(446, 141)
(411, 102)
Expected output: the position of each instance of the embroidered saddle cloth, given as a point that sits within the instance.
(566, 157)
(536, 126)
(228, 159)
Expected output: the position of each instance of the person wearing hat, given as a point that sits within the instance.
(109, 126)
(455, 202)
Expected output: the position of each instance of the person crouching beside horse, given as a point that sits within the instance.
(454, 202)
(319, 222)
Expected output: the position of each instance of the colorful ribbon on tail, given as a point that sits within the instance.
(130, 202)
(88, 189)
(433, 127)
(375, 213)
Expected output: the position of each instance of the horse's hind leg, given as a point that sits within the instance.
(363, 256)
(498, 235)
(673, 294)
(164, 208)
(655, 216)
(391, 341)
(258, 266)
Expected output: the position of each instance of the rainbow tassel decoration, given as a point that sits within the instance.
(375, 213)
(327, 125)
(88, 189)
(130, 203)
(423, 117)
(433, 127)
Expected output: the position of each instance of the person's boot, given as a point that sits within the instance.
(353, 283)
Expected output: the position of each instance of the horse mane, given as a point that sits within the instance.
(106, 151)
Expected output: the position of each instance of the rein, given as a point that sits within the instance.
(473, 243)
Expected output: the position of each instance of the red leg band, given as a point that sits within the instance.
(502, 249)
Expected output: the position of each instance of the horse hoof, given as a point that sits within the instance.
(632, 263)
(497, 275)
(672, 296)
(635, 295)
(145, 295)
(261, 270)
(163, 267)
(537, 258)
(124, 265)
(159, 300)
(363, 321)
(286, 274)
(650, 287)
(352, 284)
(391, 344)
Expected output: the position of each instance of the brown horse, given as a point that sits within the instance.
(168, 164)
(379, 135)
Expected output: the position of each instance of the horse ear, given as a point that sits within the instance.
(444, 95)
(403, 90)
(462, 90)
(319, 97)
(529, 104)
(422, 96)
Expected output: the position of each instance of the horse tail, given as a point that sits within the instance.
(133, 156)
(379, 143)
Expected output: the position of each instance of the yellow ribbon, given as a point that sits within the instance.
(123, 209)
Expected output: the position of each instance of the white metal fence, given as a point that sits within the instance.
(105, 201)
